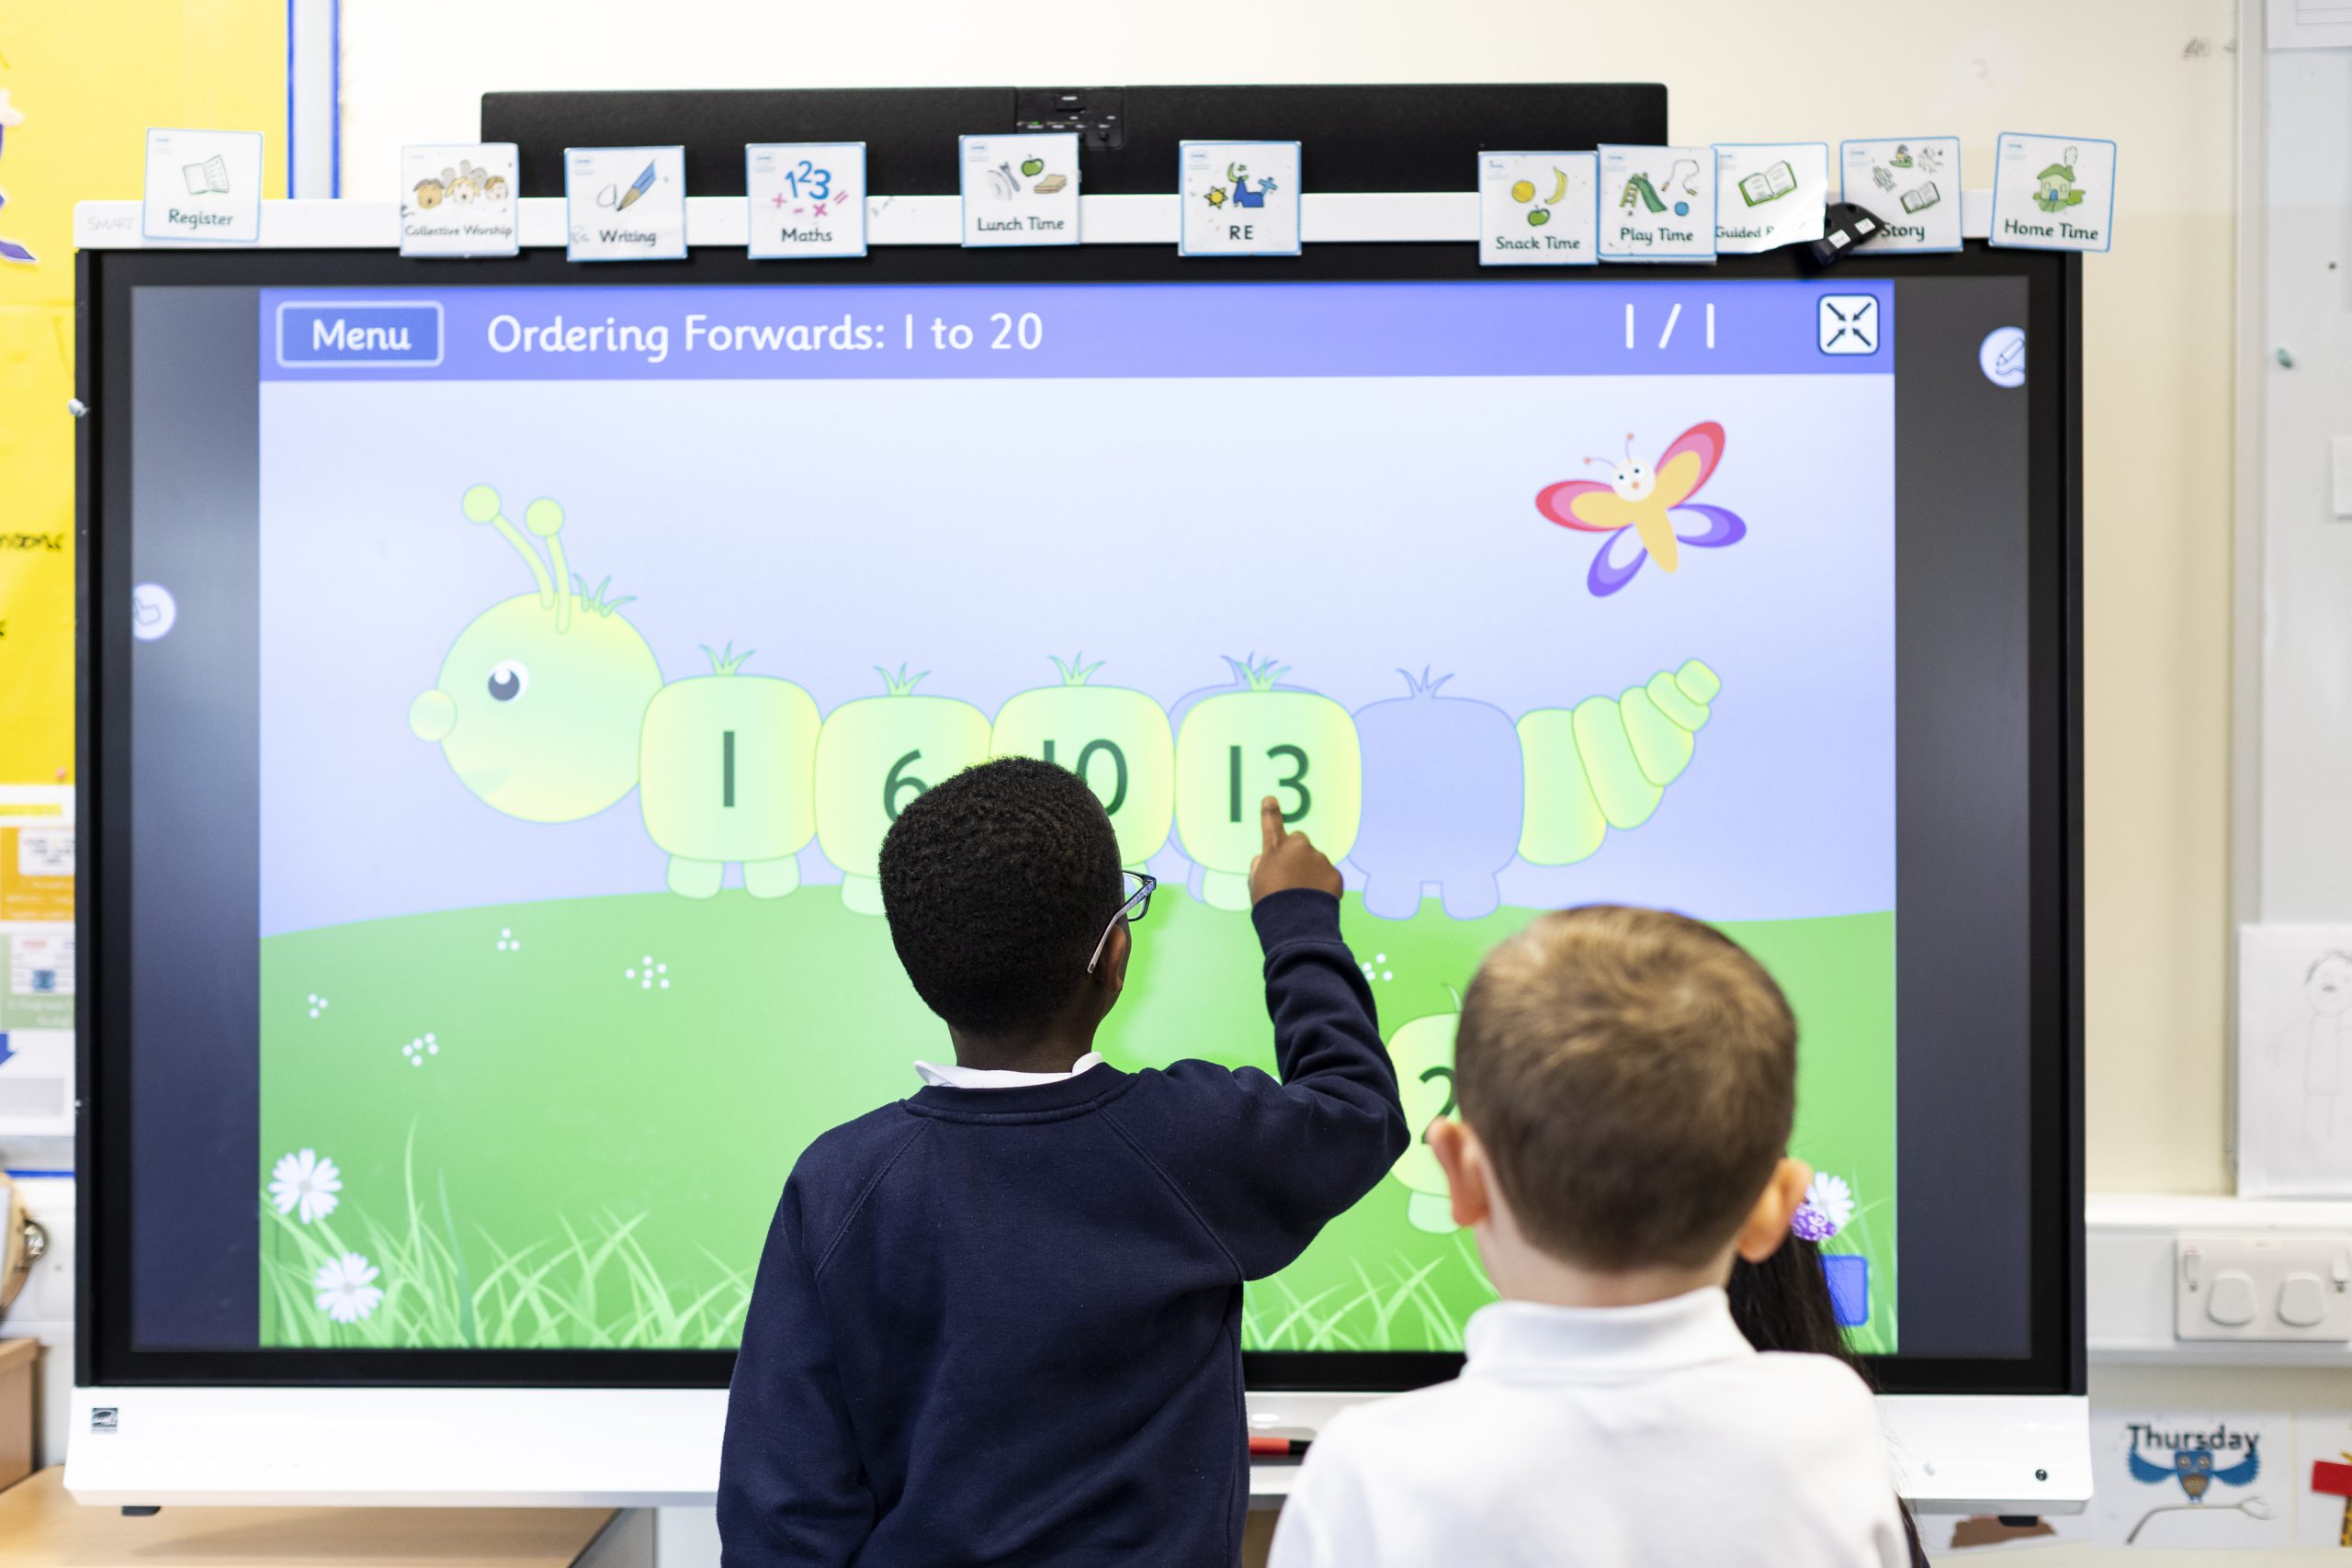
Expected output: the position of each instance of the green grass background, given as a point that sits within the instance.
(587, 1162)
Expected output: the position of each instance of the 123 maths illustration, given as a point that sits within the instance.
(1640, 501)
(550, 707)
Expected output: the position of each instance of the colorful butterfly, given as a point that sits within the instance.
(1640, 502)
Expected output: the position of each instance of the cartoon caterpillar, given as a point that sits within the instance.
(550, 707)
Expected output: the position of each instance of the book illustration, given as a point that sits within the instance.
(1768, 184)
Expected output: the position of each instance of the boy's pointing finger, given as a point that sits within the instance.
(1270, 822)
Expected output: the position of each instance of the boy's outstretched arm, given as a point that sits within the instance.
(791, 1489)
(1267, 1165)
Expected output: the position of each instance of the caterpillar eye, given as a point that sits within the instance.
(507, 680)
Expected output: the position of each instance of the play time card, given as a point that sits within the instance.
(458, 200)
(1238, 198)
(2053, 193)
(1769, 193)
(1657, 204)
(1020, 189)
(624, 203)
(807, 198)
(1536, 208)
(1911, 183)
(203, 185)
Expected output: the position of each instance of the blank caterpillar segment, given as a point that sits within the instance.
(1606, 762)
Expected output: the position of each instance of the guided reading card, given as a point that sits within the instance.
(203, 185)
(581, 847)
(1911, 184)
(2053, 193)
(807, 198)
(1021, 189)
(1238, 198)
(1536, 208)
(624, 203)
(1769, 193)
(458, 200)
(2294, 1090)
(1658, 203)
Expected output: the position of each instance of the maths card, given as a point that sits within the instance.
(807, 198)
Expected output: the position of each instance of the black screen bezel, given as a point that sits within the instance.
(106, 1355)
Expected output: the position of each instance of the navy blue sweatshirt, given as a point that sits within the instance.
(1005, 1326)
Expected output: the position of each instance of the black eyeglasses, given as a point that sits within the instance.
(1131, 909)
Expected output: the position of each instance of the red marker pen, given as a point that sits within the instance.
(1278, 1448)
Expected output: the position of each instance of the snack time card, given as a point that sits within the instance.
(1238, 198)
(807, 198)
(203, 185)
(2053, 193)
(457, 200)
(1658, 203)
(1020, 189)
(1536, 208)
(1912, 183)
(1769, 193)
(624, 203)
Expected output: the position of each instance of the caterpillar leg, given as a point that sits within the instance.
(1471, 897)
(1225, 889)
(861, 895)
(1392, 897)
(694, 878)
(772, 879)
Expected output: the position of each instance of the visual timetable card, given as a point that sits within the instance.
(1657, 204)
(203, 185)
(807, 198)
(1911, 183)
(1537, 208)
(1239, 199)
(2053, 193)
(624, 203)
(458, 200)
(1021, 189)
(1769, 193)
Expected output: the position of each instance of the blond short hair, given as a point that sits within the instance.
(1631, 1074)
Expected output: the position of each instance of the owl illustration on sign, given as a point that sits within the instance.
(2195, 1471)
(1650, 505)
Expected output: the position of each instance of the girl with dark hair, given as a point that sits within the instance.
(1782, 1303)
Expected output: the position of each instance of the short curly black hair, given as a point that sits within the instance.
(997, 883)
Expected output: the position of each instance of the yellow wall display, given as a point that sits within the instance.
(79, 87)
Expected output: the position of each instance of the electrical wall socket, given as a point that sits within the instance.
(2272, 1286)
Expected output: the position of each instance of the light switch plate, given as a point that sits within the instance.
(2272, 1286)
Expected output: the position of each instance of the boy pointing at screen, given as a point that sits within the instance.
(998, 1322)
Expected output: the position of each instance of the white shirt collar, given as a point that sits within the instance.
(951, 1076)
(1521, 1338)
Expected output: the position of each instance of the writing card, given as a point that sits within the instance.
(1911, 183)
(1538, 208)
(1769, 193)
(2294, 1094)
(203, 185)
(1239, 199)
(2053, 193)
(458, 200)
(1657, 204)
(624, 203)
(807, 198)
(1020, 189)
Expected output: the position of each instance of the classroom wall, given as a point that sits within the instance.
(2156, 76)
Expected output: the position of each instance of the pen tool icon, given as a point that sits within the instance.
(642, 184)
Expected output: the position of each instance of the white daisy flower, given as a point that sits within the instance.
(346, 1291)
(1832, 1198)
(305, 1181)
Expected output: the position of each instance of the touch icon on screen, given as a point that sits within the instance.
(152, 611)
(2001, 356)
